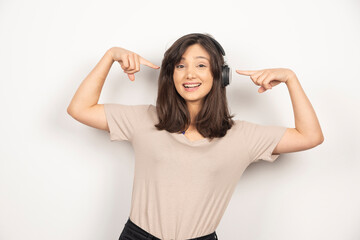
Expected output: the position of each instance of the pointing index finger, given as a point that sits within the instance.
(245, 72)
(148, 63)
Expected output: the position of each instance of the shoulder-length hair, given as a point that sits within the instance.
(213, 120)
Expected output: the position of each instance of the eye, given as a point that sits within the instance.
(202, 65)
(179, 66)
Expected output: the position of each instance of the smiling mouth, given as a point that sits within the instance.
(192, 85)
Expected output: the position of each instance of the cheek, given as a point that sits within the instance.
(177, 85)
(175, 78)
(177, 82)
(209, 85)
(207, 75)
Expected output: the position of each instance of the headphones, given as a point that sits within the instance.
(225, 73)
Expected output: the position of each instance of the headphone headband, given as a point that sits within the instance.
(219, 47)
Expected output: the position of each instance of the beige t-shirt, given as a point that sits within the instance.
(181, 188)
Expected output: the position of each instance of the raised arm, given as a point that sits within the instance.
(307, 132)
(84, 105)
(306, 121)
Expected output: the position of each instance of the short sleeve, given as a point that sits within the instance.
(124, 120)
(261, 140)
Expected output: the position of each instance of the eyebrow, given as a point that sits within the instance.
(197, 57)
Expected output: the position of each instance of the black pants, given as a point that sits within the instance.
(132, 231)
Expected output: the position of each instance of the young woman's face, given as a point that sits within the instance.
(194, 68)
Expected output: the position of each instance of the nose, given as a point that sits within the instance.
(190, 73)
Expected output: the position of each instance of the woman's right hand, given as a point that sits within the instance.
(129, 61)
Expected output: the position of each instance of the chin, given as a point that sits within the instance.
(193, 98)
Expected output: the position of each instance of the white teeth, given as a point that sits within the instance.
(191, 85)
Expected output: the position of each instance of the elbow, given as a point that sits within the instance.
(314, 141)
(70, 111)
(319, 140)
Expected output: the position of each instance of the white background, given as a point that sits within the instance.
(63, 180)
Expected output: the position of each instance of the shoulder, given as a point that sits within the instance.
(151, 107)
(138, 112)
(242, 124)
(253, 128)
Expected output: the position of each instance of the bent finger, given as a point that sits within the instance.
(255, 77)
(124, 62)
(131, 62)
(267, 82)
(130, 71)
(261, 78)
(137, 63)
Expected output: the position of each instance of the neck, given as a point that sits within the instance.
(193, 108)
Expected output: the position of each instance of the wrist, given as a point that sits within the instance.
(109, 53)
(291, 78)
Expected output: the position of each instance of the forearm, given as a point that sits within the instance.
(306, 121)
(89, 91)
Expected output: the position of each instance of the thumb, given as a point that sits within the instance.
(148, 63)
(261, 89)
(131, 76)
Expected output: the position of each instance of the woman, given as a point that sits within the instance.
(190, 154)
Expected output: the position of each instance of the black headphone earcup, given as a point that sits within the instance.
(225, 76)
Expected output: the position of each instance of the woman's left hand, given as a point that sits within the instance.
(268, 78)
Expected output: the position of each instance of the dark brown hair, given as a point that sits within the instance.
(213, 120)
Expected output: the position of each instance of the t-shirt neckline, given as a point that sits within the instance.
(184, 139)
